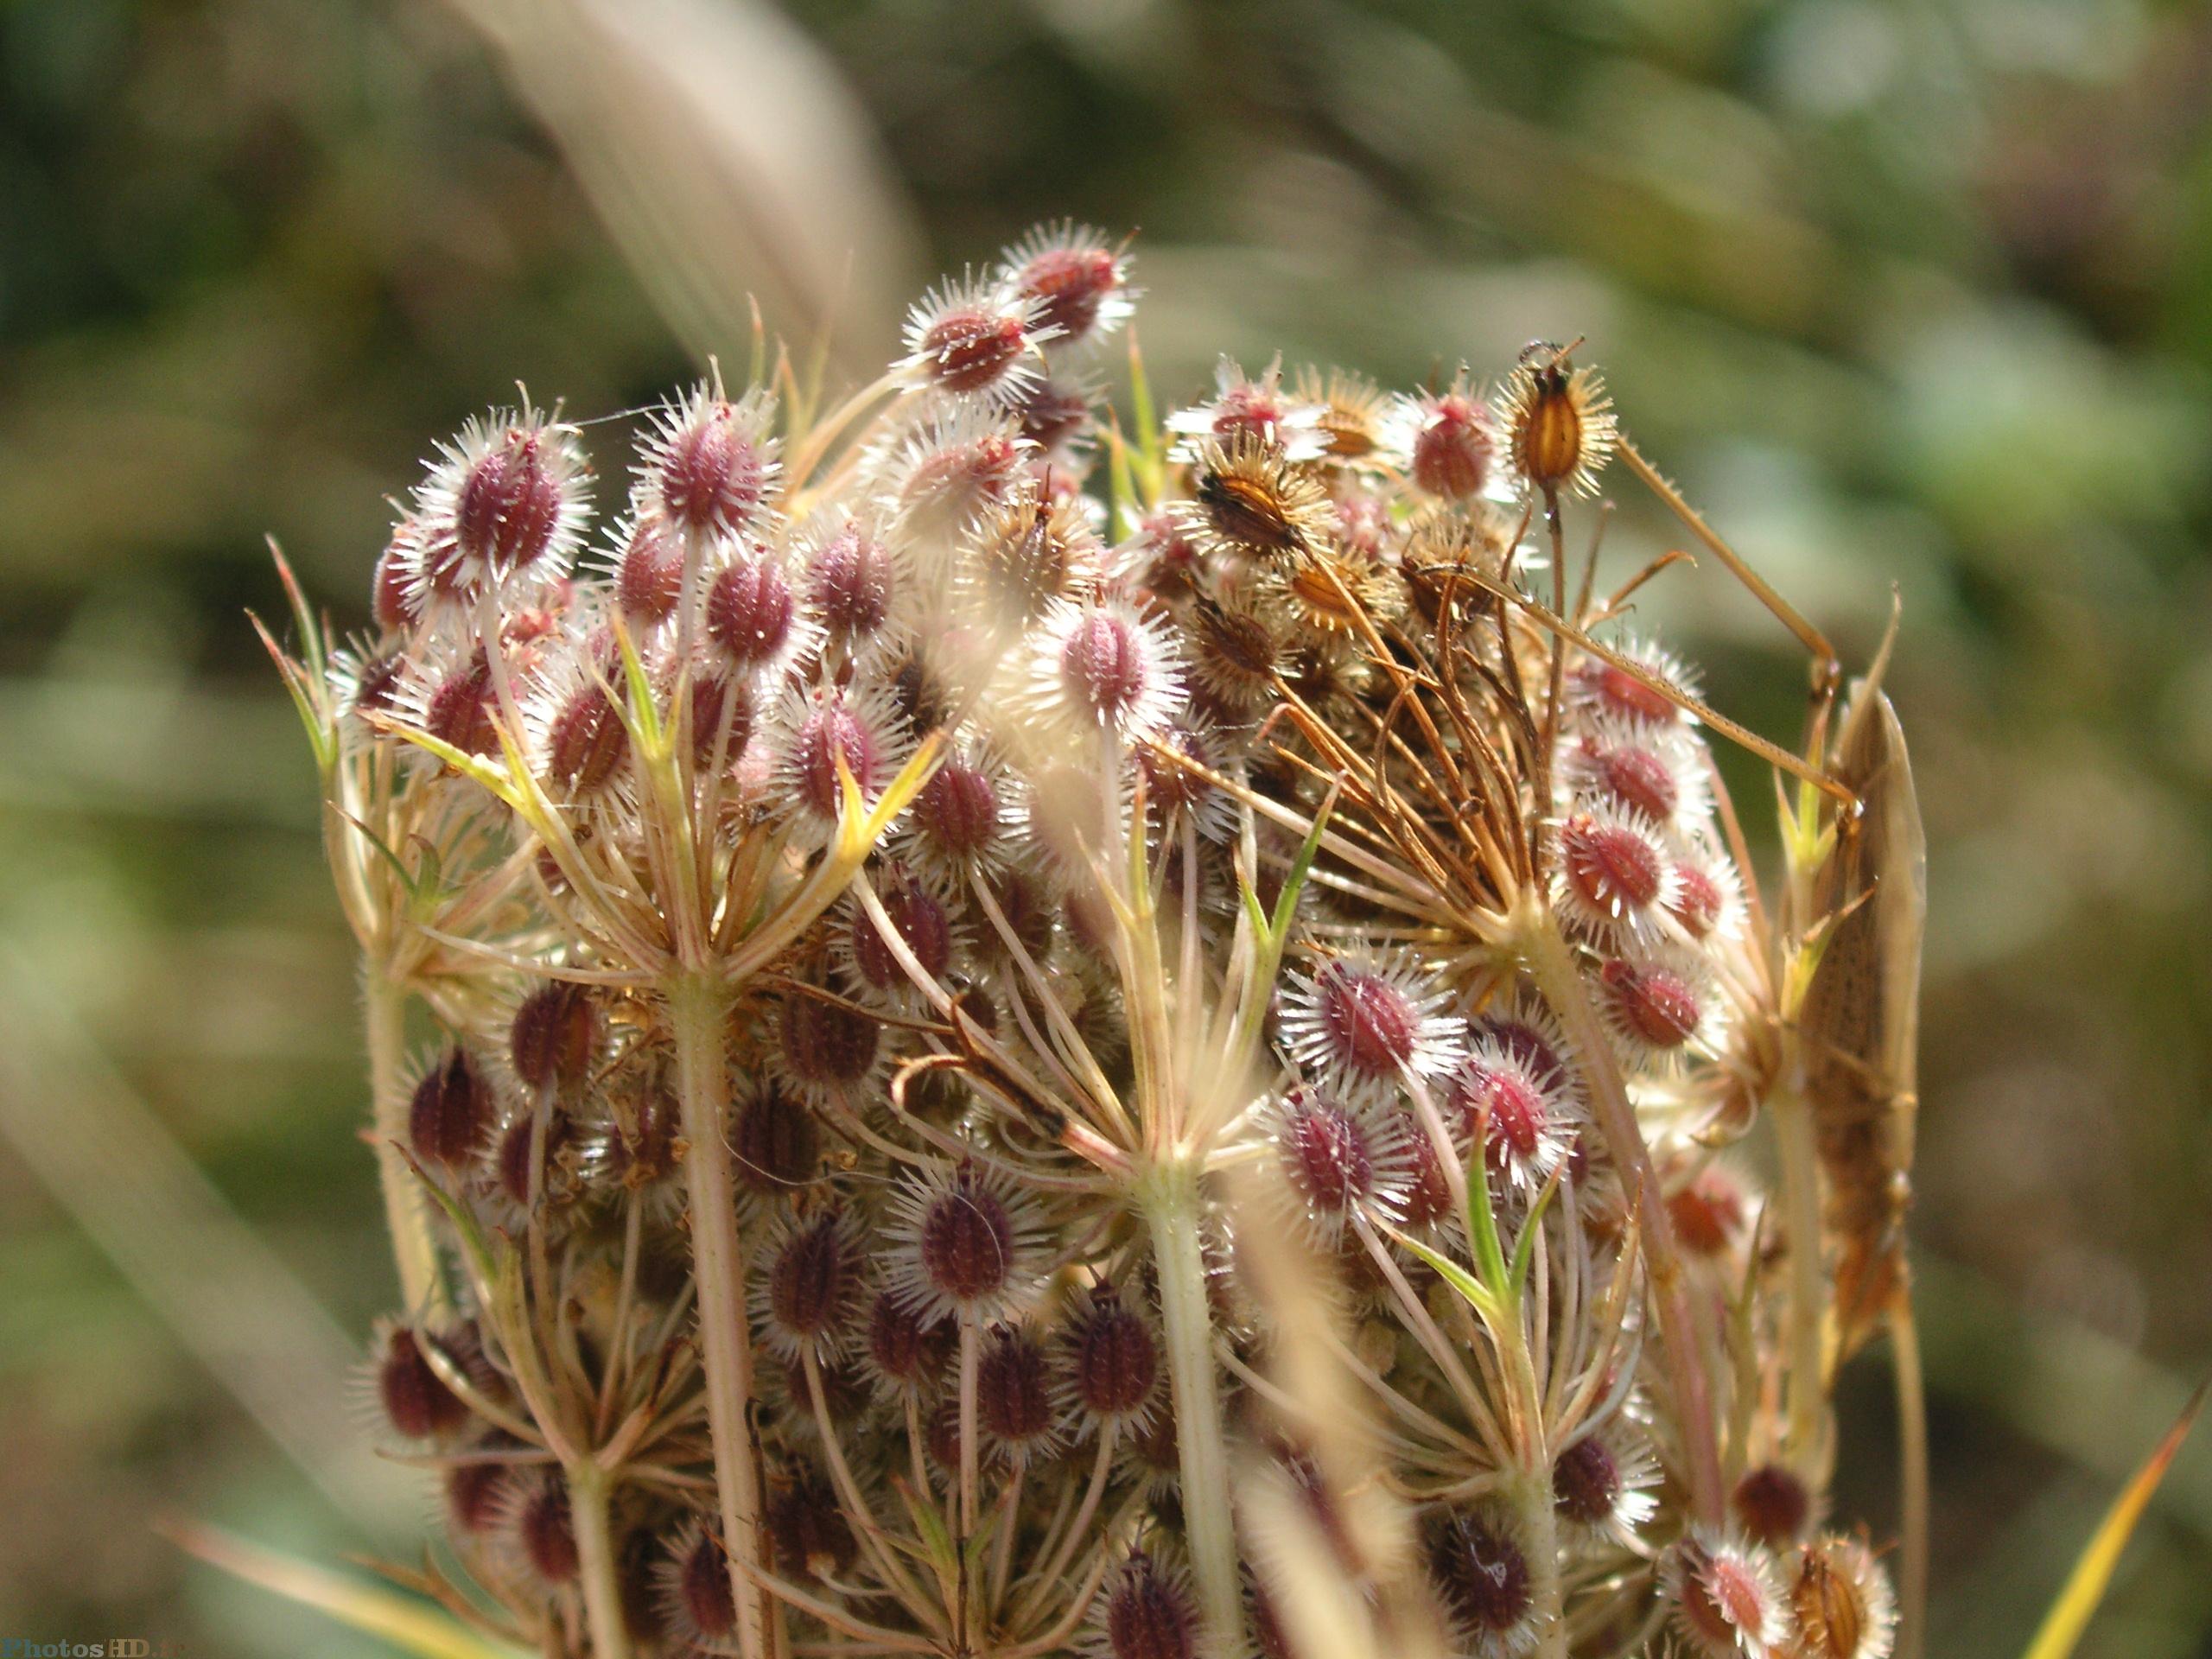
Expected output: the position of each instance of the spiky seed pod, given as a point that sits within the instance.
(966, 1244)
(1014, 1394)
(907, 1353)
(1253, 409)
(514, 1150)
(555, 1036)
(975, 340)
(957, 815)
(1585, 1482)
(1772, 1505)
(828, 1050)
(459, 707)
(1327, 596)
(473, 1495)
(648, 574)
(1030, 557)
(1705, 898)
(825, 731)
(1841, 1604)
(1351, 412)
(698, 1610)
(587, 743)
(1337, 1159)
(708, 465)
(1112, 1362)
(777, 1143)
(1147, 1612)
(810, 1296)
(1173, 791)
(851, 582)
(953, 470)
(1607, 688)
(752, 615)
(808, 1531)
(545, 1529)
(1725, 1597)
(1600, 1483)
(1656, 1003)
(1525, 1123)
(376, 686)
(1105, 667)
(506, 496)
(1366, 1019)
(1485, 1578)
(924, 925)
(1558, 421)
(1451, 443)
(1250, 502)
(395, 598)
(1073, 277)
(415, 1400)
(1655, 772)
(451, 1111)
(1236, 656)
(1615, 876)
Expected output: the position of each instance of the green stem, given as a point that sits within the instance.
(1530, 1491)
(1552, 966)
(406, 1208)
(597, 1568)
(1540, 1540)
(1169, 1199)
(1801, 1202)
(698, 1011)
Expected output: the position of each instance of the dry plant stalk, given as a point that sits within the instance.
(1155, 1072)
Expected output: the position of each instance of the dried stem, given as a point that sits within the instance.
(597, 1569)
(1912, 1459)
(1552, 965)
(1171, 1202)
(407, 1211)
(698, 1013)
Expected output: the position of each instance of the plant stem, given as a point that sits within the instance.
(1540, 1540)
(597, 1569)
(1912, 1461)
(1552, 966)
(1800, 1201)
(407, 1211)
(1169, 1199)
(1531, 1490)
(698, 1010)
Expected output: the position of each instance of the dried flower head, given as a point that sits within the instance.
(1027, 1006)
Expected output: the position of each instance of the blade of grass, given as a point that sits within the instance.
(216, 1286)
(2085, 1586)
(408, 1624)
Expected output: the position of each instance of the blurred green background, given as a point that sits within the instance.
(1915, 294)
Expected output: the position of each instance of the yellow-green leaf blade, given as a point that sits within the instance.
(2085, 1587)
(410, 1625)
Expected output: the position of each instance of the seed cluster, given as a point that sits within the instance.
(926, 910)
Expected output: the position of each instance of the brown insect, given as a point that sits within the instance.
(1859, 1020)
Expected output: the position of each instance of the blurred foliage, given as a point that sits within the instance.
(1915, 294)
